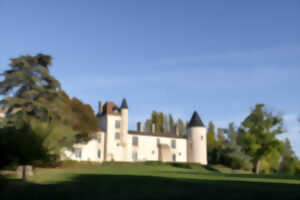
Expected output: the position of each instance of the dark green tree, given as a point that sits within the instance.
(211, 142)
(30, 89)
(34, 96)
(161, 122)
(171, 123)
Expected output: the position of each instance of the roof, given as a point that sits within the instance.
(110, 108)
(148, 133)
(124, 104)
(195, 121)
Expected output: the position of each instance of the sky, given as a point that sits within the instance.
(219, 58)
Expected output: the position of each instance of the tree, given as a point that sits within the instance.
(234, 156)
(147, 126)
(166, 124)
(259, 131)
(84, 120)
(171, 123)
(219, 150)
(155, 120)
(30, 89)
(211, 141)
(48, 115)
(181, 127)
(161, 122)
(289, 162)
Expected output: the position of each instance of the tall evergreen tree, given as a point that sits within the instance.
(171, 123)
(161, 122)
(181, 127)
(147, 126)
(166, 124)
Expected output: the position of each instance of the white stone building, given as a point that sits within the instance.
(115, 142)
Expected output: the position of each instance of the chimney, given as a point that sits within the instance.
(139, 126)
(153, 128)
(99, 107)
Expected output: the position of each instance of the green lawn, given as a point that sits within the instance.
(147, 180)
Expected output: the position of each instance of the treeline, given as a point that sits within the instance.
(41, 119)
(253, 145)
(165, 123)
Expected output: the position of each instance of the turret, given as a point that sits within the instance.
(124, 126)
(196, 141)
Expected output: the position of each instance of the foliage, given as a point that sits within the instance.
(164, 123)
(171, 123)
(30, 89)
(19, 144)
(50, 119)
(270, 163)
(84, 120)
(234, 156)
(289, 162)
(211, 142)
(259, 131)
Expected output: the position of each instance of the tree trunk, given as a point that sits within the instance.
(24, 174)
(257, 166)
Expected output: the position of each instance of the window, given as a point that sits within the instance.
(117, 124)
(201, 137)
(134, 156)
(173, 144)
(117, 136)
(78, 153)
(99, 138)
(174, 157)
(99, 153)
(135, 141)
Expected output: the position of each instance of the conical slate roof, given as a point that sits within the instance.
(195, 121)
(124, 104)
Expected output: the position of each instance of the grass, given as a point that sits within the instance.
(146, 181)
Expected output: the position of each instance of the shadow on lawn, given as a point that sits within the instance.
(146, 187)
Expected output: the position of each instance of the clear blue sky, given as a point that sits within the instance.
(217, 57)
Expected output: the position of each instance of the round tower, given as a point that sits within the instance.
(124, 127)
(196, 141)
